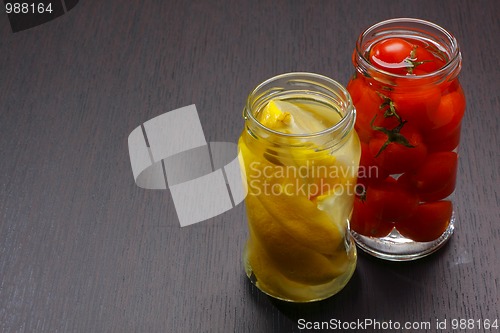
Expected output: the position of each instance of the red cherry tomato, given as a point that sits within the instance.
(417, 105)
(426, 62)
(428, 222)
(437, 142)
(404, 152)
(445, 121)
(451, 86)
(389, 201)
(369, 170)
(432, 59)
(367, 103)
(435, 179)
(356, 87)
(364, 221)
(449, 112)
(390, 55)
(368, 106)
(405, 56)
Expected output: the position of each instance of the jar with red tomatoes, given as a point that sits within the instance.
(409, 106)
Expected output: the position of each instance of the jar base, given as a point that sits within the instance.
(307, 294)
(395, 247)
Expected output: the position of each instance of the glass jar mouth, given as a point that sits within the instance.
(301, 83)
(415, 28)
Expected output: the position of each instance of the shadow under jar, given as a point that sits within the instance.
(409, 106)
(300, 154)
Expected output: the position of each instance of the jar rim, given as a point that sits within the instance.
(452, 64)
(346, 122)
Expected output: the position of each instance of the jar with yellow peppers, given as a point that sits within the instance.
(299, 155)
(409, 106)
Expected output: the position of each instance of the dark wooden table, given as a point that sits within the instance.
(83, 249)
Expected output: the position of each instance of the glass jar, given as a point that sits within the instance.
(409, 106)
(300, 154)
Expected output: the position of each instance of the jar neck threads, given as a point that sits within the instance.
(306, 87)
(440, 39)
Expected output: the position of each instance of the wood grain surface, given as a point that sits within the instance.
(83, 249)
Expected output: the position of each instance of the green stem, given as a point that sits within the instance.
(393, 135)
